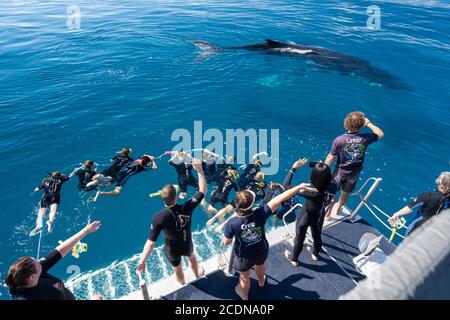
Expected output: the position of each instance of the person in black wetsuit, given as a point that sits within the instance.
(222, 168)
(220, 195)
(118, 162)
(28, 278)
(428, 203)
(142, 164)
(249, 174)
(313, 211)
(89, 179)
(275, 189)
(52, 195)
(258, 185)
(210, 166)
(181, 162)
(175, 224)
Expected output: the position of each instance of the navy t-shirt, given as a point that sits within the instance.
(249, 233)
(350, 148)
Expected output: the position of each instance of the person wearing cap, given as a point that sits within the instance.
(142, 164)
(251, 248)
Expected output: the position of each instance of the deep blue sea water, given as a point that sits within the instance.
(130, 76)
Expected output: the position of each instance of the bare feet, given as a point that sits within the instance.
(314, 257)
(49, 226)
(98, 194)
(239, 292)
(261, 284)
(200, 272)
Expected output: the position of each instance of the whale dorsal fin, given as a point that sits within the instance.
(274, 43)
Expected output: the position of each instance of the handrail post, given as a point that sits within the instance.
(366, 197)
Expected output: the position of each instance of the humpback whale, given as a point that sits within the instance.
(329, 59)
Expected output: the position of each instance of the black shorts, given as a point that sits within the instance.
(175, 258)
(245, 264)
(183, 183)
(344, 181)
(49, 199)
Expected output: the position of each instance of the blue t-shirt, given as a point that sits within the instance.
(249, 233)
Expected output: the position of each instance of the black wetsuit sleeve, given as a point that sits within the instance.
(309, 194)
(50, 260)
(287, 183)
(64, 178)
(419, 201)
(157, 226)
(191, 204)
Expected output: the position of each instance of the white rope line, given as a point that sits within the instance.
(381, 221)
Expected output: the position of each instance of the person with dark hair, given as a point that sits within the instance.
(276, 189)
(142, 164)
(350, 149)
(118, 162)
(251, 248)
(52, 195)
(210, 167)
(258, 185)
(28, 278)
(181, 161)
(89, 179)
(220, 195)
(429, 204)
(312, 212)
(250, 171)
(222, 168)
(175, 223)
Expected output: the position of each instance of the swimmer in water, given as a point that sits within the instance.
(118, 162)
(52, 194)
(181, 161)
(250, 171)
(209, 165)
(89, 179)
(222, 168)
(144, 163)
(258, 186)
(220, 195)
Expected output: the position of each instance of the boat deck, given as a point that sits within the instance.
(327, 279)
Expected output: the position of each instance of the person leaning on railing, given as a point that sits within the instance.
(28, 278)
(428, 203)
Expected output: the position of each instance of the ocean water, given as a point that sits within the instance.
(130, 76)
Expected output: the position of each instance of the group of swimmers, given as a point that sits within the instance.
(254, 203)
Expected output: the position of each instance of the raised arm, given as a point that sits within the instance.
(298, 164)
(203, 186)
(278, 200)
(220, 214)
(374, 128)
(255, 156)
(67, 246)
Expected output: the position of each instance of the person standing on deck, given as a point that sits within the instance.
(251, 247)
(350, 149)
(175, 223)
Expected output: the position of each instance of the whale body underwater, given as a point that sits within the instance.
(325, 58)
